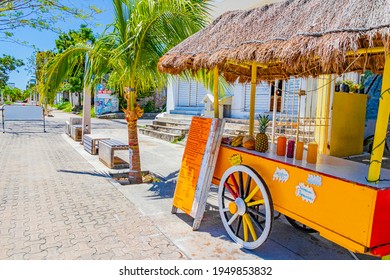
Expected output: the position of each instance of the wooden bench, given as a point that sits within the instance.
(107, 149)
(91, 143)
(72, 121)
(76, 132)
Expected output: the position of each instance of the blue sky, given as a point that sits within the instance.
(45, 40)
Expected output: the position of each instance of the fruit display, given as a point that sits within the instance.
(261, 142)
(248, 142)
(226, 140)
(237, 141)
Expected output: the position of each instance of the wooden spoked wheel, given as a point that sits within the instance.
(245, 206)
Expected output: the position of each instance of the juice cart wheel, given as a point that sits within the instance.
(300, 226)
(245, 206)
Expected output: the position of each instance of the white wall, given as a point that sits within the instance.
(222, 6)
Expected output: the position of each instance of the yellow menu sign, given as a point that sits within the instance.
(191, 163)
(197, 168)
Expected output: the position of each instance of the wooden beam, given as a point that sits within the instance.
(368, 51)
(216, 101)
(248, 64)
(382, 123)
(252, 99)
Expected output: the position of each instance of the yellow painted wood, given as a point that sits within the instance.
(216, 101)
(368, 51)
(250, 226)
(245, 225)
(348, 121)
(248, 65)
(252, 100)
(382, 123)
(252, 194)
(322, 114)
(352, 228)
(257, 202)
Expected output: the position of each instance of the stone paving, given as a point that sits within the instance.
(49, 210)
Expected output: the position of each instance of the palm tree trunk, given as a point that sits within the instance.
(135, 176)
(133, 112)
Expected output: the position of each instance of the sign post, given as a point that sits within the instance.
(197, 169)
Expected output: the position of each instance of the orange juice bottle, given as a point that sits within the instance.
(281, 146)
(299, 151)
(312, 153)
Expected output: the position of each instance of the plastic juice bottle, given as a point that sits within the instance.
(299, 151)
(312, 153)
(281, 146)
(290, 148)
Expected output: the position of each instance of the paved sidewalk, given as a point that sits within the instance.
(57, 202)
(54, 205)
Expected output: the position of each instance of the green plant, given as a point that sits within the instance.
(261, 141)
(62, 105)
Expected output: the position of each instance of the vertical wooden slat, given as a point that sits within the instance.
(382, 123)
(275, 108)
(252, 102)
(216, 101)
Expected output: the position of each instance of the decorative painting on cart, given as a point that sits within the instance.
(314, 180)
(235, 159)
(281, 175)
(305, 192)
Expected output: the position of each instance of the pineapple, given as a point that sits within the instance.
(261, 142)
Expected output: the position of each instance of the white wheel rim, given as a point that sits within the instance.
(267, 207)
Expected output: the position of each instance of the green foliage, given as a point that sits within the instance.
(63, 105)
(150, 107)
(38, 14)
(8, 64)
(93, 114)
(14, 93)
(143, 31)
(72, 37)
(263, 122)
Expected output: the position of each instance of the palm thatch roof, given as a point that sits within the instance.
(290, 38)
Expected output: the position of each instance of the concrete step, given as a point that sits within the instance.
(169, 123)
(173, 120)
(175, 117)
(171, 137)
(189, 111)
(170, 129)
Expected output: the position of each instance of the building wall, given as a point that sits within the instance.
(221, 6)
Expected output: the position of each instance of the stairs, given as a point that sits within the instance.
(188, 111)
(168, 127)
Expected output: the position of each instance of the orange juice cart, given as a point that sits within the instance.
(346, 202)
(331, 197)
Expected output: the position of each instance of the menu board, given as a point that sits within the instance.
(197, 168)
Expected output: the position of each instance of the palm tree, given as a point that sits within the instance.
(143, 31)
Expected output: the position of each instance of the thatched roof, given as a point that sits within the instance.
(293, 38)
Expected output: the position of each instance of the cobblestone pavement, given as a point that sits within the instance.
(54, 205)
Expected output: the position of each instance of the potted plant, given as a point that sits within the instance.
(344, 86)
(337, 86)
(360, 88)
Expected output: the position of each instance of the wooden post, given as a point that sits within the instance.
(382, 123)
(216, 101)
(323, 107)
(252, 100)
(276, 88)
